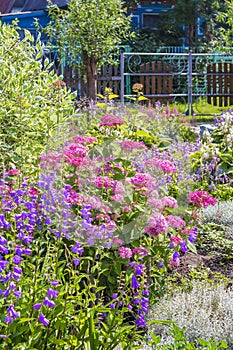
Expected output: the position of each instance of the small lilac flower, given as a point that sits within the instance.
(55, 283)
(76, 261)
(37, 306)
(139, 269)
(183, 246)
(52, 293)
(192, 237)
(136, 301)
(43, 320)
(27, 251)
(135, 283)
(48, 302)
(17, 259)
(114, 296)
(17, 294)
(12, 313)
(175, 256)
(160, 264)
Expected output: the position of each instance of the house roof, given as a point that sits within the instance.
(35, 5)
(6, 5)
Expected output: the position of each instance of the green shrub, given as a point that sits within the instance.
(33, 100)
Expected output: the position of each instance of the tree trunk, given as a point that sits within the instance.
(91, 72)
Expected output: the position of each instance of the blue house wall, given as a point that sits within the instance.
(26, 20)
(140, 17)
(153, 9)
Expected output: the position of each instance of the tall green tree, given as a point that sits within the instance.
(91, 32)
(224, 21)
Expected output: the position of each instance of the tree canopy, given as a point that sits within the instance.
(91, 31)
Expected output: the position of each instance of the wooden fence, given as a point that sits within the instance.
(220, 84)
(159, 84)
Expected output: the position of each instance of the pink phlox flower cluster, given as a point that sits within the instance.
(169, 202)
(85, 139)
(175, 239)
(51, 160)
(140, 251)
(127, 209)
(104, 182)
(125, 252)
(129, 145)
(174, 263)
(164, 164)
(75, 154)
(144, 180)
(110, 120)
(118, 188)
(201, 198)
(95, 202)
(175, 221)
(156, 203)
(13, 172)
(156, 224)
(118, 198)
(77, 149)
(74, 197)
(117, 241)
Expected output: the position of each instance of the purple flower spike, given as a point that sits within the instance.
(43, 320)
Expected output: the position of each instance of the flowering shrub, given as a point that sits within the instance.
(85, 249)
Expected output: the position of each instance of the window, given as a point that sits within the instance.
(150, 20)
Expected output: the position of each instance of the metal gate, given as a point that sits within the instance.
(185, 77)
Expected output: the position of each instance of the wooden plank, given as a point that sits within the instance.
(147, 82)
(226, 76)
(231, 83)
(153, 81)
(142, 70)
(170, 80)
(220, 86)
(159, 80)
(164, 66)
(214, 84)
(209, 84)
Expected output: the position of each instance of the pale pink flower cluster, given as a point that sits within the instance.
(160, 204)
(156, 203)
(130, 145)
(110, 120)
(125, 252)
(13, 172)
(85, 139)
(140, 251)
(169, 202)
(118, 188)
(104, 182)
(144, 180)
(75, 154)
(175, 239)
(156, 224)
(201, 198)
(118, 198)
(51, 160)
(164, 164)
(175, 221)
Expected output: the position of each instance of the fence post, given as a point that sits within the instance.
(190, 87)
(122, 78)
